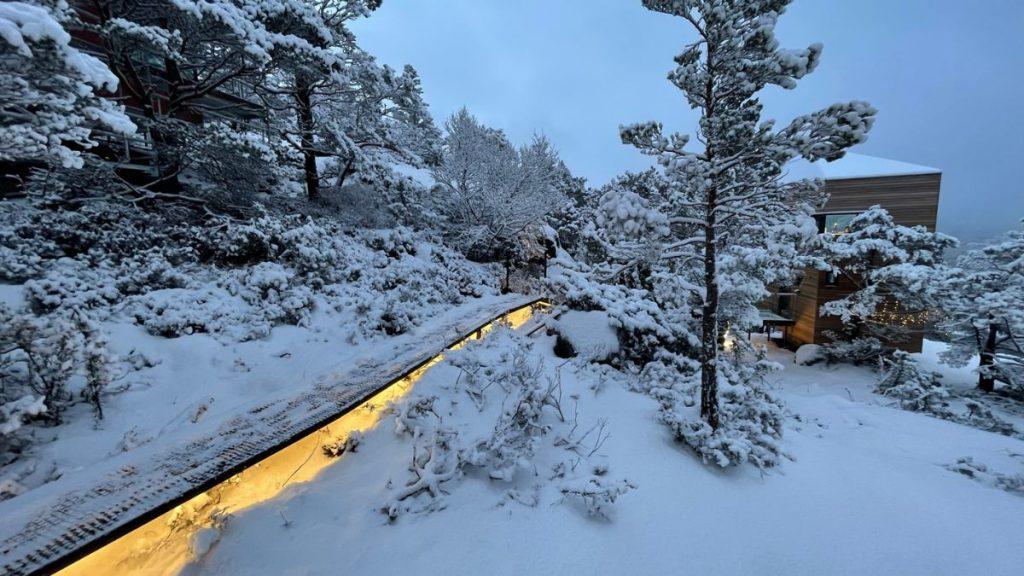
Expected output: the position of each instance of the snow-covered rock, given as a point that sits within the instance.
(809, 354)
(590, 334)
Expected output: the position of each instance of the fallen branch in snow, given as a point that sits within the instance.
(433, 463)
(597, 495)
(577, 445)
(1010, 482)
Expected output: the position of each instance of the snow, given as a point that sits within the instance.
(808, 354)
(196, 383)
(854, 166)
(867, 492)
(19, 21)
(590, 333)
(421, 176)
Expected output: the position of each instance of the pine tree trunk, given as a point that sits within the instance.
(709, 311)
(165, 148)
(304, 110)
(988, 358)
(165, 143)
(344, 174)
(709, 326)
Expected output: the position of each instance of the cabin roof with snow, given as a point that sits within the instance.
(856, 166)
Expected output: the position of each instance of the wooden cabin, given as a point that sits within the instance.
(854, 183)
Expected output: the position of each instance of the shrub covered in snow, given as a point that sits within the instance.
(521, 424)
(644, 325)
(980, 416)
(912, 387)
(70, 285)
(857, 351)
(103, 257)
(809, 354)
(980, 472)
(514, 425)
(180, 273)
(40, 356)
(179, 311)
(596, 493)
(751, 421)
(920, 390)
(589, 335)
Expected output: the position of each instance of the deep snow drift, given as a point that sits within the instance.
(868, 489)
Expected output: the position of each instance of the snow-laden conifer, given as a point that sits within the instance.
(731, 224)
(895, 273)
(913, 387)
(52, 100)
(984, 311)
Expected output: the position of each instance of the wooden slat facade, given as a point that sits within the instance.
(913, 200)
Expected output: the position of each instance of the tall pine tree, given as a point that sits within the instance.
(728, 207)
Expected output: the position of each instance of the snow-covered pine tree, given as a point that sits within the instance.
(983, 302)
(50, 92)
(299, 83)
(173, 56)
(570, 219)
(890, 265)
(492, 192)
(346, 107)
(727, 203)
(383, 121)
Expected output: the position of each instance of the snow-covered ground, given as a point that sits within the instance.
(189, 386)
(188, 345)
(867, 491)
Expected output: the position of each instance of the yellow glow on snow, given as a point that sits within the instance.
(165, 545)
(728, 342)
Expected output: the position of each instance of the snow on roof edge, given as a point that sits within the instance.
(855, 166)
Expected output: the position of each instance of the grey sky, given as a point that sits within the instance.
(946, 75)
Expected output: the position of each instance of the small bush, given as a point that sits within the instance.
(179, 311)
(72, 285)
(39, 356)
(858, 351)
(912, 387)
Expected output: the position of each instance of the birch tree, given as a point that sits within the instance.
(491, 192)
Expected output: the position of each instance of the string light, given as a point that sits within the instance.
(891, 313)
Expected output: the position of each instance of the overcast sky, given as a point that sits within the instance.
(946, 75)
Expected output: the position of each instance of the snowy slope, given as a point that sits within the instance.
(285, 397)
(867, 492)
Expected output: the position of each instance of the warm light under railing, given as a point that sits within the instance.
(166, 544)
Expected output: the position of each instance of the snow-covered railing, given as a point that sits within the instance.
(150, 517)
